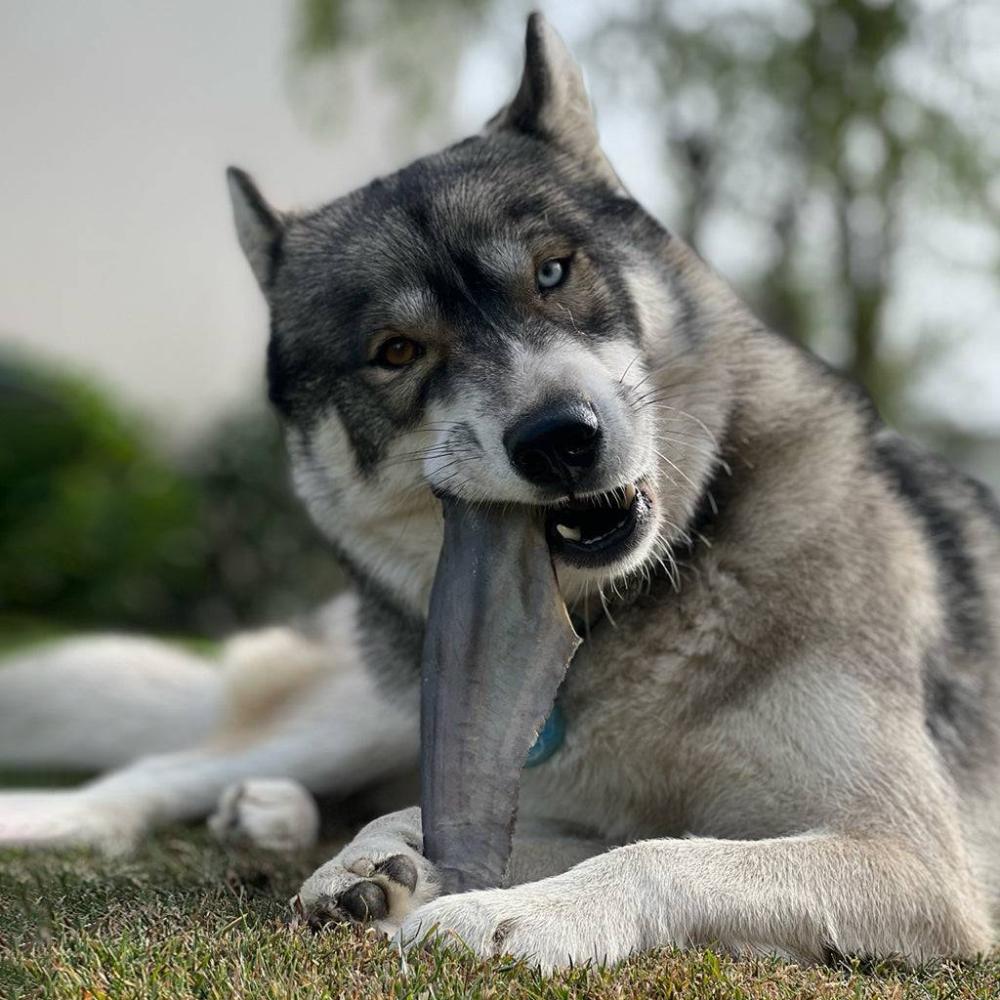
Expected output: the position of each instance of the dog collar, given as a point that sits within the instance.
(550, 738)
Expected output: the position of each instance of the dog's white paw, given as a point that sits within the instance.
(378, 878)
(540, 923)
(276, 814)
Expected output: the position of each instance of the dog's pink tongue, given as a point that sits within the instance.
(497, 646)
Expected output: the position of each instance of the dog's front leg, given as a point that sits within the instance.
(800, 896)
(382, 877)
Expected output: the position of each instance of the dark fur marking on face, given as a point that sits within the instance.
(426, 227)
(467, 296)
(622, 318)
(303, 362)
(367, 429)
(687, 323)
(525, 207)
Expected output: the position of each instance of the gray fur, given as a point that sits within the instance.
(801, 671)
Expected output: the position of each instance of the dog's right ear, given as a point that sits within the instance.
(260, 228)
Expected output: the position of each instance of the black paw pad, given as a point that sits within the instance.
(399, 869)
(365, 901)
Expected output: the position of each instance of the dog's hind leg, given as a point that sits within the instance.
(292, 707)
(93, 703)
(340, 736)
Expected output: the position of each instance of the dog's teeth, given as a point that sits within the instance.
(629, 495)
(571, 534)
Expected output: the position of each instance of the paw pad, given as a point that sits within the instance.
(399, 869)
(364, 902)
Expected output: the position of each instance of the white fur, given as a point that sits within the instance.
(96, 703)
(334, 732)
(399, 527)
(383, 838)
(275, 814)
(755, 897)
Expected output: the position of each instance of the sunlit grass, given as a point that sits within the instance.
(186, 919)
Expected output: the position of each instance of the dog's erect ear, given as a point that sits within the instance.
(552, 101)
(259, 227)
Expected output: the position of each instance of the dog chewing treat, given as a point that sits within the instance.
(496, 649)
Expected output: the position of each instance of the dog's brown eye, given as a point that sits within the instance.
(398, 352)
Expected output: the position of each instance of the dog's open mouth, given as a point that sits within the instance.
(599, 530)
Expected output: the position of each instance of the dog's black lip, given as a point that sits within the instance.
(611, 548)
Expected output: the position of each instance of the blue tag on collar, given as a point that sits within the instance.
(549, 739)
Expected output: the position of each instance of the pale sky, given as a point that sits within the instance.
(117, 254)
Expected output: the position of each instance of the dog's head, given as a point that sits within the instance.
(498, 321)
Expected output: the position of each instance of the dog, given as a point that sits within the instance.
(782, 730)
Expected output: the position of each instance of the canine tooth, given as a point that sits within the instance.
(629, 495)
(572, 534)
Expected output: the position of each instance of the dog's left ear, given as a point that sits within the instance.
(552, 103)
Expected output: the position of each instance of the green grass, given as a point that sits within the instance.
(186, 919)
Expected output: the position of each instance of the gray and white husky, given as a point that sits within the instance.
(782, 732)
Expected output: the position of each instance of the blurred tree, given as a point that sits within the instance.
(420, 43)
(98, 528)
(94, 525)
(822, 126)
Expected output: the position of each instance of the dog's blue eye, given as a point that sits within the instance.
(551, 273)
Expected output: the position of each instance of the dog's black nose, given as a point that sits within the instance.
(555, 445)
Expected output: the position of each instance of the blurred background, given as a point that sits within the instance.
(836, 160)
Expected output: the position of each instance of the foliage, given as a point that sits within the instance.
(99, 528)
(94, 525)
(408, 30)
(817, 124)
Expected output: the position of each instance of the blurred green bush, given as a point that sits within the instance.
(99, 527)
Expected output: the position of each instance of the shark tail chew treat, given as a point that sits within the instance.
(497, 646)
